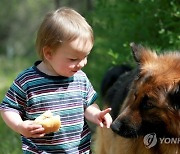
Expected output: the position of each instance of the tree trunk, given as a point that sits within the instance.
(57, 3)
(89, 5)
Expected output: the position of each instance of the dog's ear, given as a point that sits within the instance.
(136, 50)
(174, 98)
(142, 54)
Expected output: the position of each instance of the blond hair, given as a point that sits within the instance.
(62, 25)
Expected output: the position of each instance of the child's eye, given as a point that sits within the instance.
(71, 59)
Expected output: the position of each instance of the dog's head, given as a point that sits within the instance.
(153, 102)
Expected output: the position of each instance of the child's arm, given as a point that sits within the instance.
(95, 115)
(26, 128)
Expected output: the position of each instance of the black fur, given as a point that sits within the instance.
(118, 92)
(111, 76)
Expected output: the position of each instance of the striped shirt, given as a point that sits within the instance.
(33, 92)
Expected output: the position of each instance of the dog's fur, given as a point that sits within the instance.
(144, 100)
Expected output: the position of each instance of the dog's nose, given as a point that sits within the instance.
(115, 127)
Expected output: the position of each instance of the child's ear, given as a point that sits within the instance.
(47, 52)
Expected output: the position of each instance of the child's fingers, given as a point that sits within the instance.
(33, 126)
(104, 112)
(37, 131)
(101, 124)
(37, 135)
(107, 121)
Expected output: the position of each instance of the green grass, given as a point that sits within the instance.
(9, 140)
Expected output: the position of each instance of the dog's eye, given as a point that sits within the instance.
(146, 103)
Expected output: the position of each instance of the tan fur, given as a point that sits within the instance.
(109, 143)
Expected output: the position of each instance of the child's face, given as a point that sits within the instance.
(70, 57)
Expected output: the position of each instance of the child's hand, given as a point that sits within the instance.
(95, 115)
(105, 118)
(31, 130)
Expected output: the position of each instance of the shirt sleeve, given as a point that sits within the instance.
(91, 94)
(14, 99)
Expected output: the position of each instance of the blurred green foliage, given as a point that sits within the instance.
(153, 23)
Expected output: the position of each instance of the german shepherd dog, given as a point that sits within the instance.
(145, 104)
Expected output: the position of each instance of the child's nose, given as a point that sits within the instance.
(82, 63)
